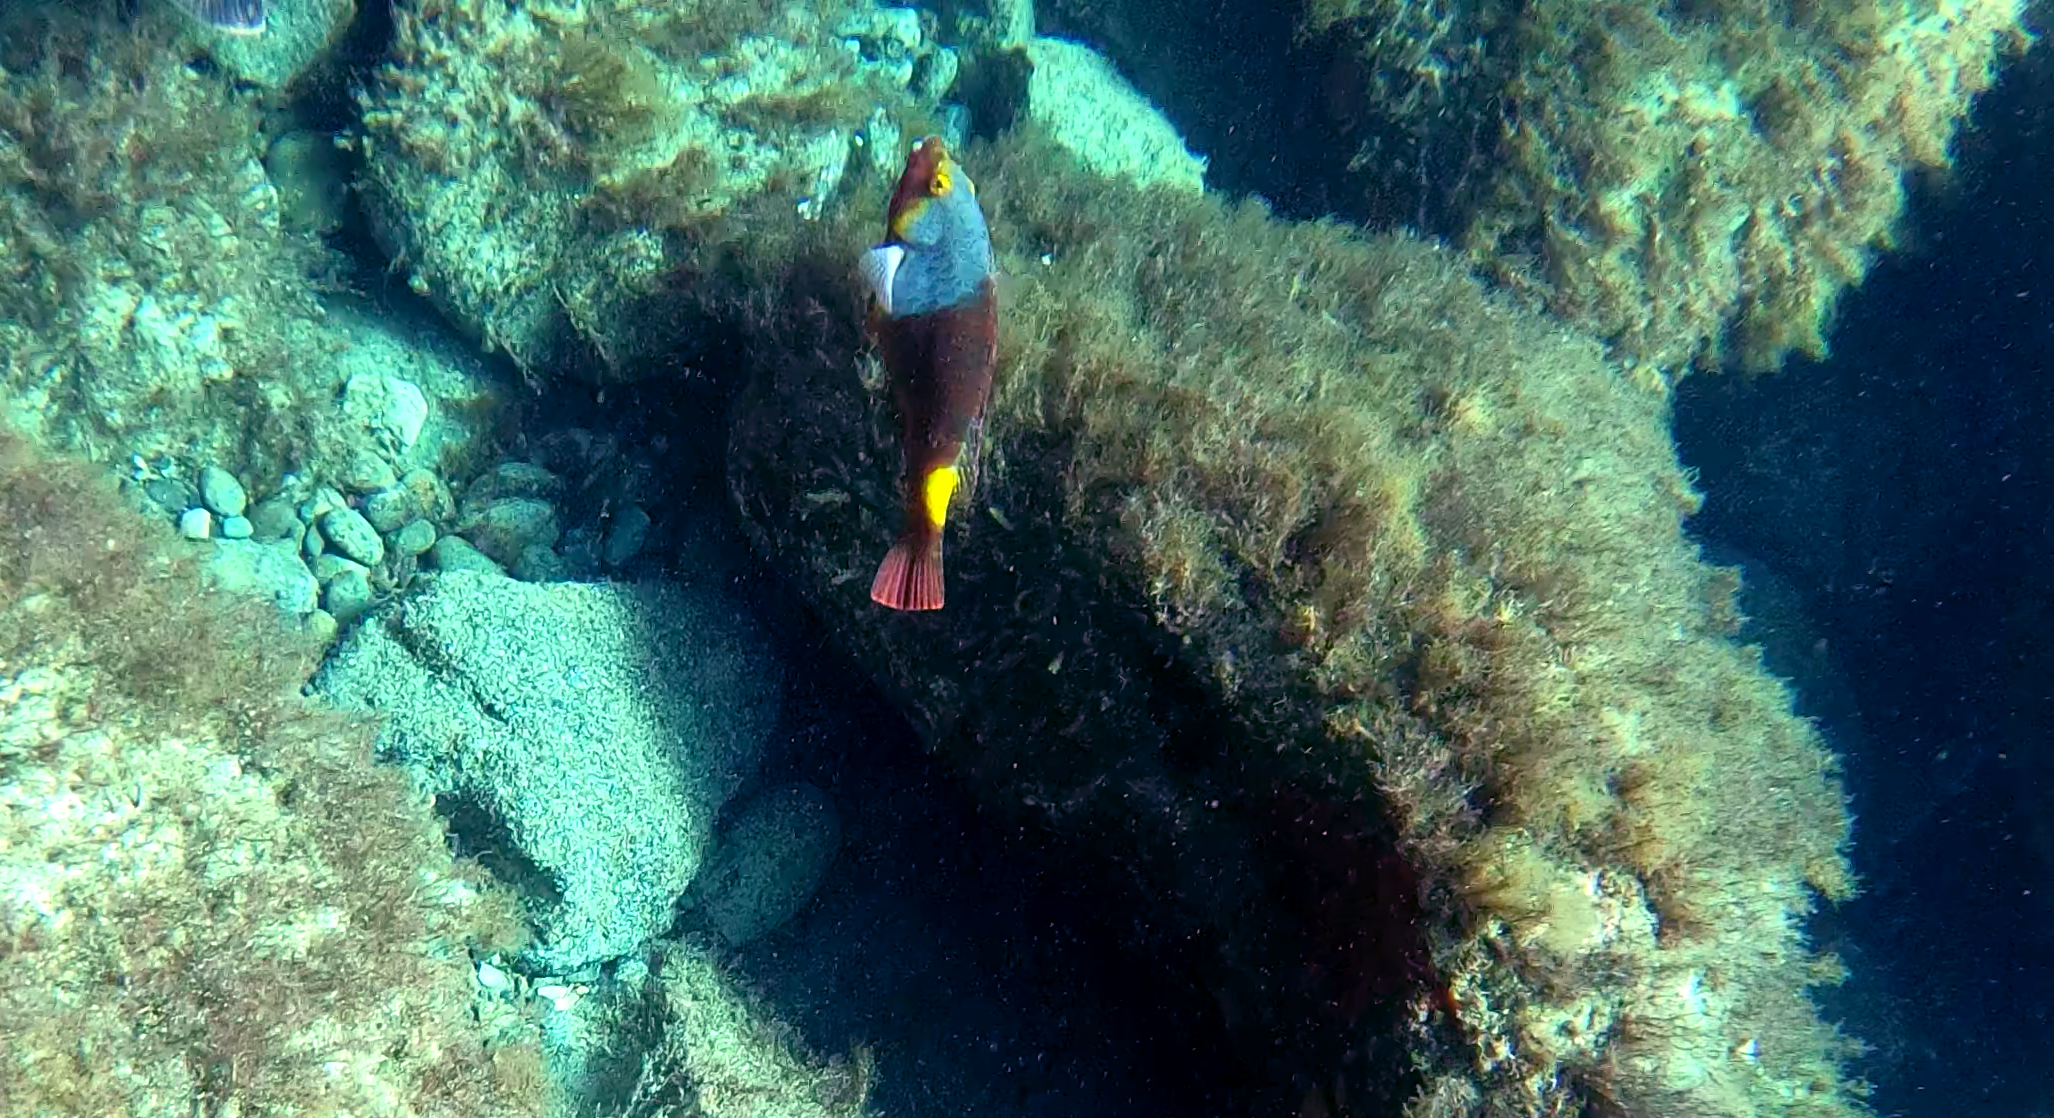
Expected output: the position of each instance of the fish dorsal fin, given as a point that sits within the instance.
(878, 267)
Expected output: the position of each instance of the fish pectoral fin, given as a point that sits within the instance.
(877, 269)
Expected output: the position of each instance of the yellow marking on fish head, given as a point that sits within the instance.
(902, 222)
(940, 488)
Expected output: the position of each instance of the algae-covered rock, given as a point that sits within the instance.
(547, 172)
(1692, 185)
(158, 310)
(151, 295)
(214, 902)
(1348, 609)
(725, 1055)
(297, 33)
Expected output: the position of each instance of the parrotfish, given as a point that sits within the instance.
(934, 313)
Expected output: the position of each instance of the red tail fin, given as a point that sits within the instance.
(910, 576)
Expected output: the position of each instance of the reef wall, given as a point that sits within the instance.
(1348, 609)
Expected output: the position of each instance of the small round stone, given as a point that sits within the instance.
(347, 596)
(348, 532)
(221, 493)
(274, 519)
(417, 537)
(196, 524)
(369, 472)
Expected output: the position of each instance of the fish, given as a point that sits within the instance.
(934, 316)
(237, 17)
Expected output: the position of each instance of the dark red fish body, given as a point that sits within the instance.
(941, 367)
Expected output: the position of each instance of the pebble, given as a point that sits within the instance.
(564, 998)
(236, 528)
(368, 473)
(580, 549)
(508, 480)
(494, 979)
(331, 566)
(347, 595)
(454, 553)
(196, 524)
(274, 519)
(395, 408)
(268, 569)
(413, 539)
(315, 507)
(171, 494)
(320, 624)
(506, 528)
(388, 509)
(346, 530)
(431, 496)
(625, 538)
(539, 564)
(221, 493)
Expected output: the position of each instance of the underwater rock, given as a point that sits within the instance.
(221, 493)
(414, 538)
(390, 406)
(988, 26)
(274, 518)
(180, 282)
(312, 176)
(1087, 107)
(769, 861)
(625, 536)
(196, 524)
(346, 530)
(1693, 187)
(388, 509)
(582, 738)
(511, 479)
(633, 148)
(347, 595)
(454, 553)
(296, 34)
(1344, 608)
(505, 528)
(171, 495)
(269, 569)
(184, 837)
(367, 471)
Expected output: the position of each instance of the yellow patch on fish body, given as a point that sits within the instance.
(939, 490)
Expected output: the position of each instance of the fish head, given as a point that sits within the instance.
(931, 175)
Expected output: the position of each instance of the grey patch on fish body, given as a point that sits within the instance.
(237, 17)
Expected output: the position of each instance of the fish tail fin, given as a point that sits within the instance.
(910, 576)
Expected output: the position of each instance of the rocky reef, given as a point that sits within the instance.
(1696, 186)
(1302, 567)
(1326, 585)
(210, 896)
